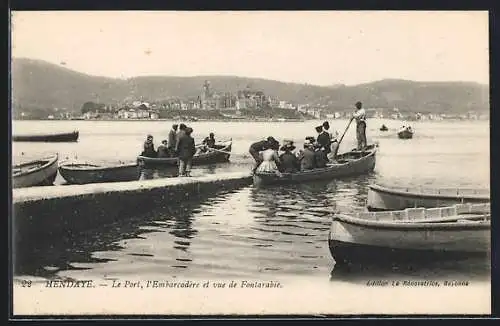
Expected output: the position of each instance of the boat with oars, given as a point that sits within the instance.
(412, 235)
(354, 162)
(405, 132)
(381, 197)
(220, 153)
(38, 172)
(84, 172)
(52, 138)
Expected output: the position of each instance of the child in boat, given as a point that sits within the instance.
(149, 147)
(270, 159)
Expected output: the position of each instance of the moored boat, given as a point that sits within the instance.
(411, 235)
(60, 137)
(394, 198)
(83, 173)
(40, 172)
(350, 163)
(384, 128)
(405, 133)
(219, 154)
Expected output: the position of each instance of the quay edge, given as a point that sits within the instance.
(55, 210)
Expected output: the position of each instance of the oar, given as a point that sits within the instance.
(217, 150)
(338, 145)
(345, 130)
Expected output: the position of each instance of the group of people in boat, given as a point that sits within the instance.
(180, 144)
(317, 151)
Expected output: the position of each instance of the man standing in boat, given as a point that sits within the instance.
(360, 116)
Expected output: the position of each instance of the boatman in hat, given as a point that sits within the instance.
(360, 116)
(288, 161)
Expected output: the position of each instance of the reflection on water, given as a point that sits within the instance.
(254, 232)
(283, 232)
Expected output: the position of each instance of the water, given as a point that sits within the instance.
(256, 233)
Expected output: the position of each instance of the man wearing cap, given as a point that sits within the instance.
(258, 147)
(172, 139)
(306, 158)
(360, 116)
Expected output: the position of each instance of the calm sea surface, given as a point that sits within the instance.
(257, 233)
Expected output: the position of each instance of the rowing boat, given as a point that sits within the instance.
(60, 137)
(220, 153)
(393, 198)
(83, 173)
(350, 163)
(405, 133)
(411, 235)
(40, 172)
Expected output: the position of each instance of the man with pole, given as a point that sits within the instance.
(360, 116)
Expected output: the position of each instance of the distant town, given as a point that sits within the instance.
(213, 105)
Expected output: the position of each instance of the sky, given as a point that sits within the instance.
(321, 48)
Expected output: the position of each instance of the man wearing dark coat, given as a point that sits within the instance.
(186, 150)
(320, 156)
(180, 133)
(288, 161)
(307, 157)
(323, 139)
(149, 147)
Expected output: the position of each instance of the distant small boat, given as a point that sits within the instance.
(219, 154)
(60, 137)
(83, 173)
(412, 235)
(350, 163)
(384, 128)
(393, 198)
(40, 172)
(405, 133)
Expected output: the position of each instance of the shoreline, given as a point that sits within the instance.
(247, 120)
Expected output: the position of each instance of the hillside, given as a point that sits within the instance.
(40, 85)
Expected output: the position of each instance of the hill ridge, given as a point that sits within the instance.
(42, 84)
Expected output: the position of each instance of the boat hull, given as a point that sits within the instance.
(381, 198)
(43, 176)
(364, 164)
(87, 173)
(357, 243)
(64, 137)
(405, 134)
(220, 156)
